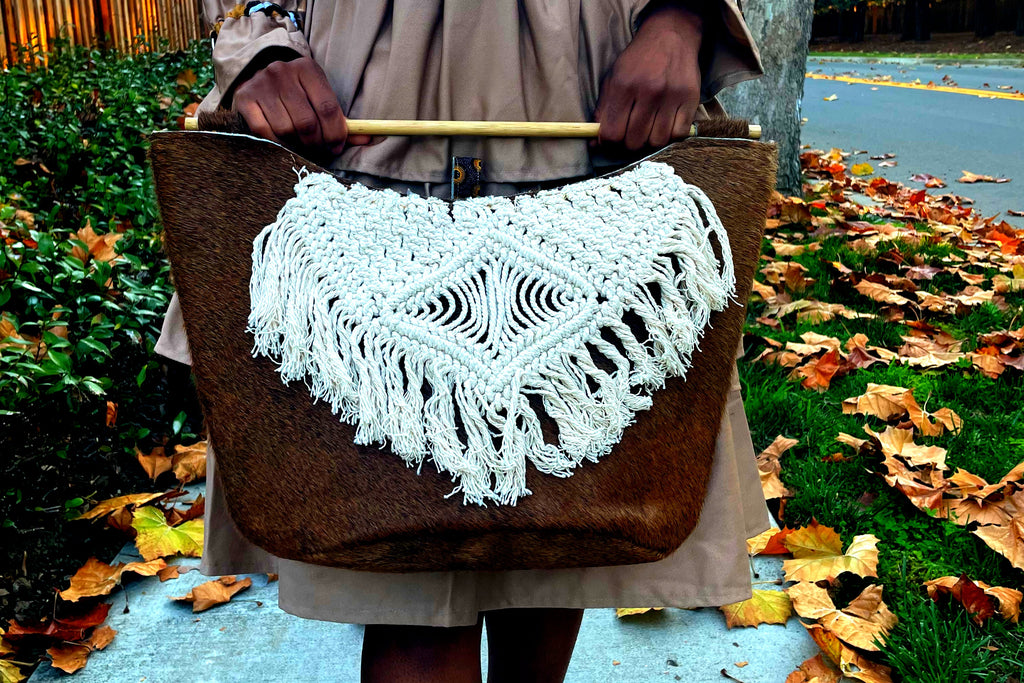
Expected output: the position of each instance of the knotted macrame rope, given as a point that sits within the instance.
(429, 326)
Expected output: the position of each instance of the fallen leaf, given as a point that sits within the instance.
(633, 611)
(106, 507)
(213, 593)
(69, 658)
(815, 670)
(98, 247)
(769, 467)
(900, 442)
(10, 672)
(863, 169)
(156, 538)
(817, 373)
(818, 554)
(764, 607)
(969, 177)
(864, 621)
(98, 578)
(68, 628)
(186, 78)
(881, 293)
(189, 462)
(176, 516)
(977, 597)
(101, 637)
(769, 542)
(1006, 540)
(155, 463)
(172, 571)
(831, 98)
(928, 180)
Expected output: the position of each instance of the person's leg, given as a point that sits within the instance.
(530, 645)
(421, 654)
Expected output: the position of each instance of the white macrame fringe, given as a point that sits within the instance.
(355, 292)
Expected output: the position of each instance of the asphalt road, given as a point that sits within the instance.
(930, 132)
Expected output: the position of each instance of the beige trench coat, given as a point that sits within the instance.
(466, 59)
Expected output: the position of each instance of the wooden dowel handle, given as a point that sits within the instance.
(508, 129)
(511, 129)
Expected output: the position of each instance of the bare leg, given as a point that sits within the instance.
(530, 645)
(421, 654)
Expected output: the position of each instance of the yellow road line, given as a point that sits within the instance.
(988, 94)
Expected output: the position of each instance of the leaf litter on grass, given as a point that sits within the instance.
(923, 296)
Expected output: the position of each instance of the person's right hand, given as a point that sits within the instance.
(291, 102)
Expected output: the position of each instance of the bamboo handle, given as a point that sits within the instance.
(513, 129)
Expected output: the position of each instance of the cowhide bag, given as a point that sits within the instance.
(298, 485)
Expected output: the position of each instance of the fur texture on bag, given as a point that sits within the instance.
(297, 486)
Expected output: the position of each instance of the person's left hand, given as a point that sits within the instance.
(653, 91)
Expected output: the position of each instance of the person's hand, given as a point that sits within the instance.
(653, 91)
(292, 102)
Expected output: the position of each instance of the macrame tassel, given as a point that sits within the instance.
(429, 327)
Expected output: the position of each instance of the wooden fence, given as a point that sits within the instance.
(109, 23)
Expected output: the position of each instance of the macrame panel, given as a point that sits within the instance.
(450, 331)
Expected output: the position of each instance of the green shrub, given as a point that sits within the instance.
(83, 281)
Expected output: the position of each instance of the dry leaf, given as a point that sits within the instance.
(69, 658)
(850, 662)
(769, 542)
(156, 538)
(764, 607)
(213, 593)
(10, 672)
(98, 578)
(155, 463)
(189, 462)
(817, 373)
(881, 293)
(633, 611)
(98, 247)
(966, 592)
(864, 621)
(815, 670)
(769, 467)
(969, 177)
(101, 637)
(900, 442)
(1006, 540)
(68, 628)
(862, 169)
(172, 571)
(111, 505)
(818, 554)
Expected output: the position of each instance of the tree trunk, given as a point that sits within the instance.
(917, 20)
(984, 18)
(782, 29)
(858, 17)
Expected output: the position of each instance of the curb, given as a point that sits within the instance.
(1013, 62)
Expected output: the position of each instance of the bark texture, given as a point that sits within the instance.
(782, 29)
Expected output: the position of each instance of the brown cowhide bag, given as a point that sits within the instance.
(295, 483)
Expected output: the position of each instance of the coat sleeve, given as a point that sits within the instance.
(238, 39)
(728, 54)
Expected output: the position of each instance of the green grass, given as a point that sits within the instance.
(932, 644)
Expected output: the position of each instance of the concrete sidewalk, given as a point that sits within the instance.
(250, 640)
